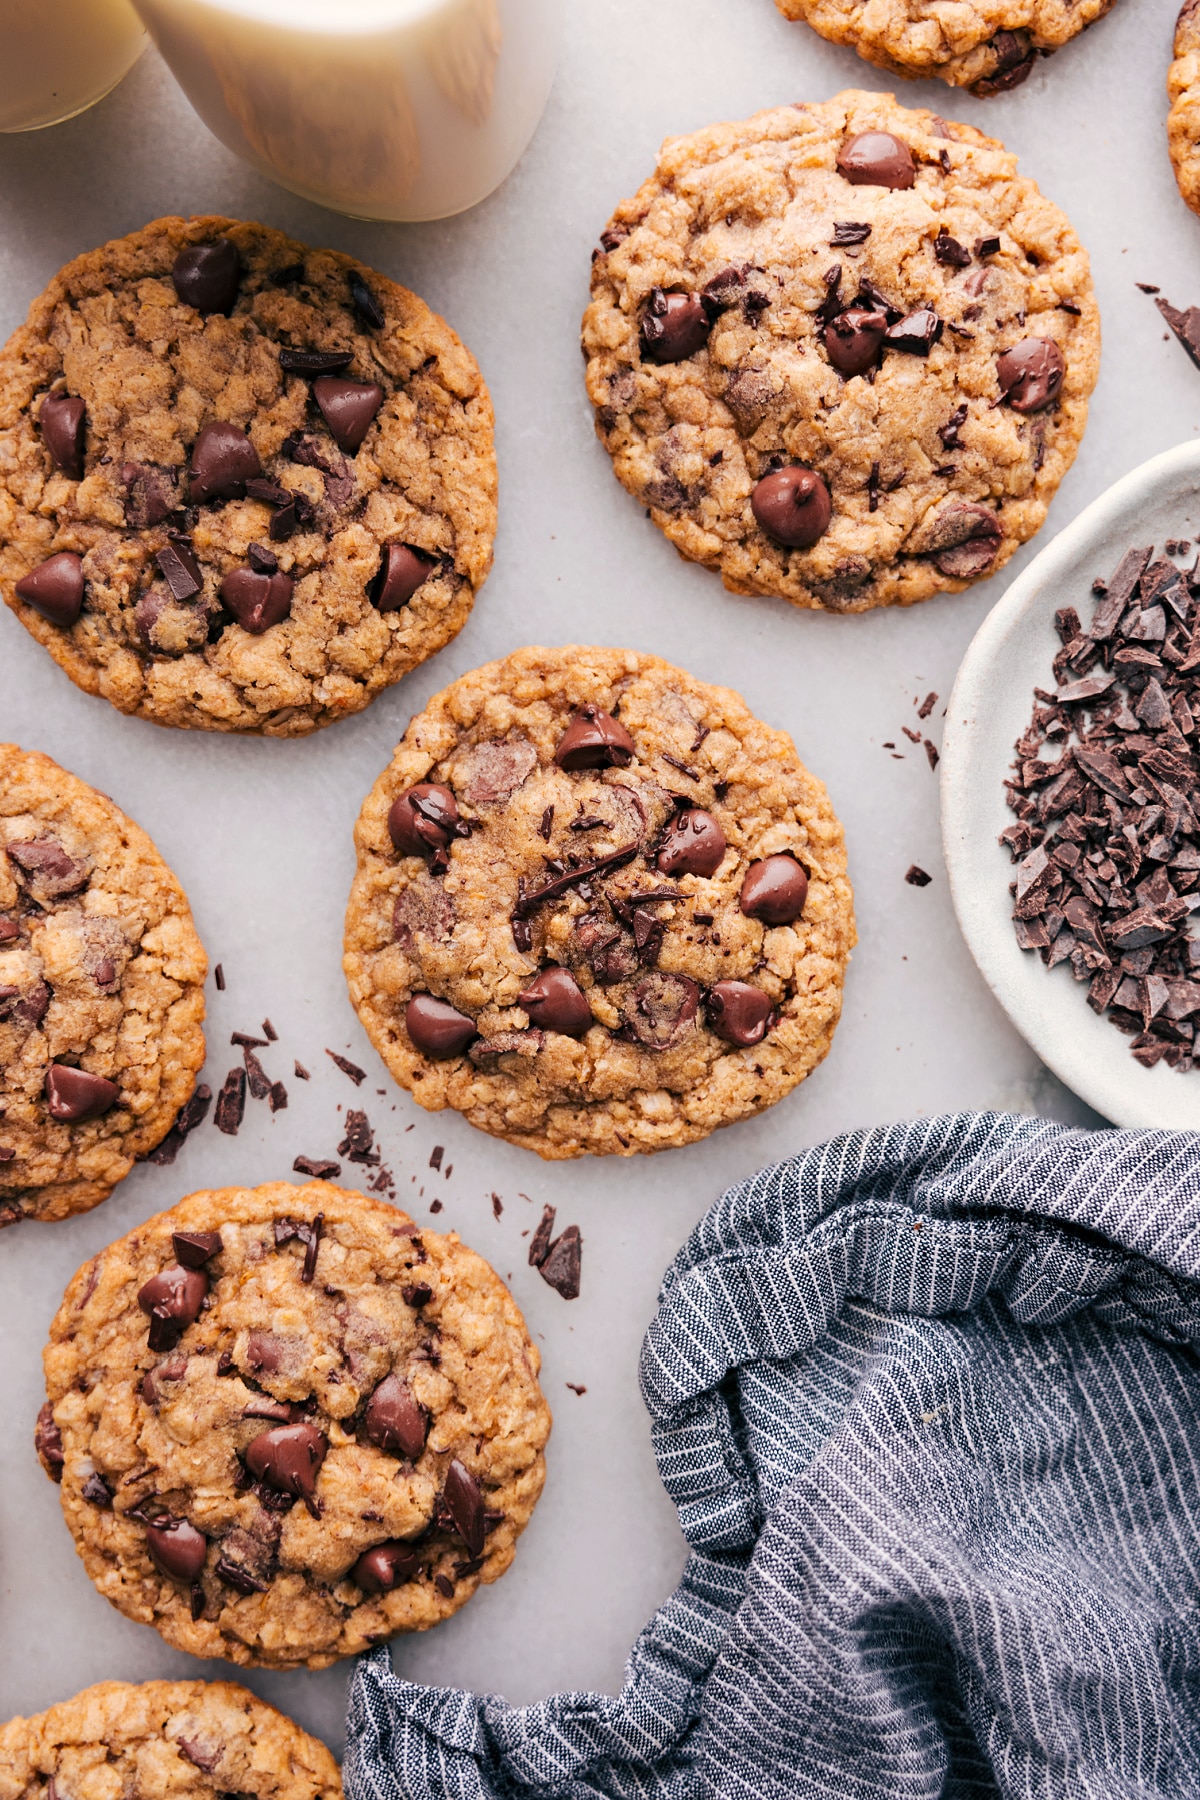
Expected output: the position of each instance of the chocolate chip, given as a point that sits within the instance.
(916, 333)
(223, 461)
(853, 338)
(357, 1075)
(1031, 374)
(949, 252)
(424, 819)
(97, 1492)
(315, 362)
(173, 1299)
(694, 844)
(848, 231)
(436, 1028)
(206, 276)
(774, 890)
(393, 1421)
(674, 326)
(987, 246)
(348, 408)
(47, 1441)
(739, 1012)
(261, 559)
(365, 302)
(554, 1001)
(231, 1103)
(444, 1586)
(62, 419)
(1014, 64)
(195, 1248)
(876, 159)
(792, 506)
(257, 601)
(288, 1458)
(74, 1096)
(385, 1566)
(594, 740)
(562, 1265)
(463, 1500)
(402, 570)
(420, 1293)
(176, 1549)
(180, 569)
(55, 588)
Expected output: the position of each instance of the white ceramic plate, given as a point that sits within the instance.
(989, 709)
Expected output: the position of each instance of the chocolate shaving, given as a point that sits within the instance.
(231, 1103)
(539, 1244)
(357, 1075)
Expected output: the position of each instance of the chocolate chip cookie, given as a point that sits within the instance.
(989, 46)
(841, 353)
(287, 1424)
(1183, 88)
(246, 484)
(164, 1740)
(101, 992)
(599, 906)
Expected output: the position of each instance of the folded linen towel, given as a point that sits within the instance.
(927, 1399)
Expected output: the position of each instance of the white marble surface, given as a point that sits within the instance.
(260, 832)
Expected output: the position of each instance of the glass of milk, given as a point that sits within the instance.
(58, 57)
(385, 109)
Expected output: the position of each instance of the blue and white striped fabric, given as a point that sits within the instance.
(928, 1401)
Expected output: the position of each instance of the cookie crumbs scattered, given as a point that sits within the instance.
(357, 1075)
(917, 876)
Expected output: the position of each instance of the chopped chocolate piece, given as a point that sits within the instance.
(301, 1073)
(917, 877)
(231, 1103)
(539, 1244)
(357, 1075)
(191, 1114)
(949, 251)
(219, 978)
(561, 1266)
(848, 231)
(365, 302)
(314, 362)
(358, 1143)
(1185, 325)
(97, 1491)
(318, 1168)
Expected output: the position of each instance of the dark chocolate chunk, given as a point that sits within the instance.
(223, 461)
(358, 1143)
(693, 844)
(876, 159)
(231, 1103)
(402, 570)
(320, 1169)
(366, 303)
(424, 819)
(739, 1012)
(554, 1001)
(949, 251)
(1015, 58)
(1031, 374)
(173, 1299)
(774, 890)
(348, 408)
(177, 1550)
(916, 333)
(917, 877)
(206, 276)
(463, 1500)
(288, 1458)
(180, 569)
(674, 326)
(256, 600)
(195, 1248)
(661, 1010)
(792, 506)
(74, 1096)
(97, 1492)
(853, 339)
(393, 1421)
(848, 231)
(561, 1267)
(964, 540)
(436, 1028)
(62, 419)
(47, 1441)
(46, 870)
(357, 1075)
(55, 588)
(594, 740)
(314, 362)
(385, 1566)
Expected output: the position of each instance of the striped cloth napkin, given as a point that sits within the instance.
(927, 1399)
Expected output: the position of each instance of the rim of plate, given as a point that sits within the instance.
(990, 707)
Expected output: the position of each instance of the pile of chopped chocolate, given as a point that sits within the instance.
(1106, 787)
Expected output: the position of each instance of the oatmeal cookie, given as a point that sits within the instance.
(101, 992)
(989, 46)
(842, 353)
(599, 906)
(287, 1424)
(164, 1740)
(1183, 89)
(244, 484)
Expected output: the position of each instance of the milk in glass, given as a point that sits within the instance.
(59, 56)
